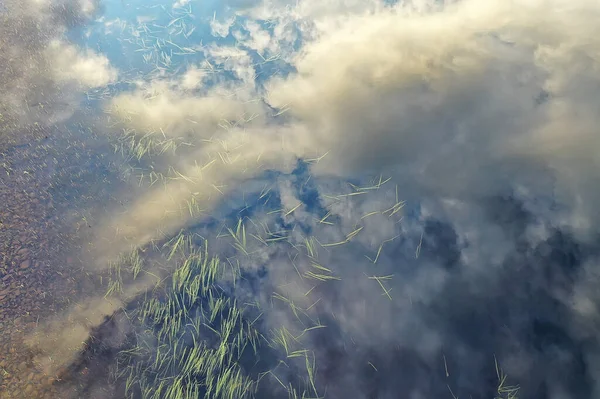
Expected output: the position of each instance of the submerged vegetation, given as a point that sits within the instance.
(201, 330)
(192, 338)
(196, 335)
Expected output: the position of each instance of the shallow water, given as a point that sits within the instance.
(301, 199)
(48, 185)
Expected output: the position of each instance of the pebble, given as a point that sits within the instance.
(23, 252)
(25, 264)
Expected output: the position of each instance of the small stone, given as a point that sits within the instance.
(23, 252)
(25, 264)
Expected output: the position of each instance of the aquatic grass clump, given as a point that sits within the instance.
(133, 145)
(193, 337)
(127, 267)
(505, 391)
